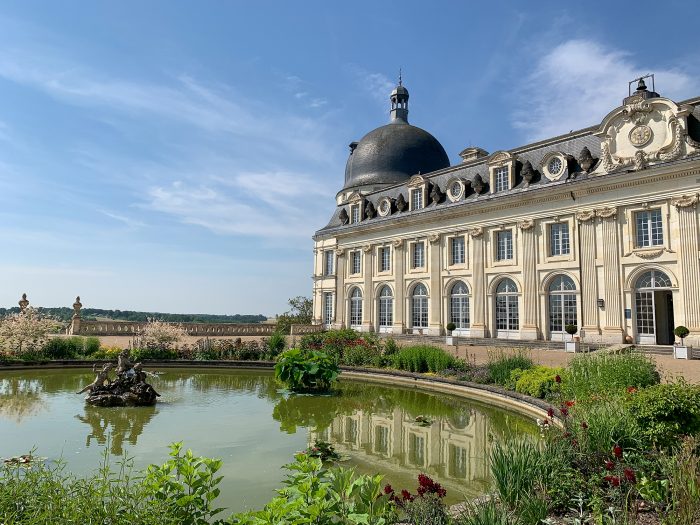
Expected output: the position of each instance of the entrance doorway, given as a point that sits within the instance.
(654, 308)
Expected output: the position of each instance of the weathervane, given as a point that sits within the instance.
(400, 78)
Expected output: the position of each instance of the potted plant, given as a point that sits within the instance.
(680, 351)
(573, 345)
(449, 340)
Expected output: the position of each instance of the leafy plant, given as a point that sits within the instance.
(276, 344)
(422, 358)
(153, 353)
(303, 370)
(682, 332)
(571, 329)
(486, 513)
(539, 381)
(515, 466)
(501, 364)
(683, 471)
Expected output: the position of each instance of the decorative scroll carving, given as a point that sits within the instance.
(684, 201)
(585, 215)
(366, 248)
(675, 149)
(434, 237)
(397, 243)
(649, 254)
(370, 212)
(526, 224)
(435, 194)
(477, 231)
(607, 212)
(478, 184)
(401, 204)
(527, 172)
(585, 159)
(343, 216)
(340, 252)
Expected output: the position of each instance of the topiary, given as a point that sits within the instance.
(571, 329)
(451, 326)
(682, 332)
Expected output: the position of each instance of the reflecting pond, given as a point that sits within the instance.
(255, 426)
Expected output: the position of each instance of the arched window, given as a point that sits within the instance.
(355, 307)
(562, 303)
(653, 279)
(419, 306)
(649, 303)
(386, 307)
(507, 306)
(459, 305)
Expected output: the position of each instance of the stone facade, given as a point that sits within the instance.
(597, 228)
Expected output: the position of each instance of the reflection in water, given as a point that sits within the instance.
(20, 398)
(117, 424)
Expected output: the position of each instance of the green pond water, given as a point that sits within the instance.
(255, 426)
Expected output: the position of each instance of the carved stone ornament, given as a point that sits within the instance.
(23, 303)
(366, 248)
(340, 252)
(401, 204)
(586, 215)
(478, 184)
(370, 212)
(384, 208)
(77, 305)
(343, 217)
(526, 224)
(527, 172)
(477, 231)
(455, 190)
(684, 201)
(585, 159)
(415, 181)
(433, 238)
(435, 194)
(607, 212)
(397, 243)
(649, 254)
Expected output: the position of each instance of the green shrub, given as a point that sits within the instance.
(596, 374)
(336, 343)
(451, 326)
(682, 332)
(666, 412)
(276, 344)
(92, 345)
(422, 358)
(304, 370)
(362, 355)
(141, 354)
(486, 513)
(516, 467)
(539, 381)
(501, 364)
(390, 347)
(63, 347)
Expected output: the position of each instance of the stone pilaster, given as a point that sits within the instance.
(340, 299)
(434, 319)
(398, 246)
(369, 302)
(612, 330)
(530, 306)
(589, 282)
(688, 259)
(478, 321)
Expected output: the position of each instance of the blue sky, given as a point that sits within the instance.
(177, 156)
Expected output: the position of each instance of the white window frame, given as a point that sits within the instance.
(355, 215)
(327, 313)
(355, 262)
(416, 261)
(420, 311)
(458, 255)
(653, 223)
(355, 309)
(384, 259)
(559, 239)
(501, 179)
(385, 309)
(328, 263)
(459, 303)
(417, 198)
(507, 251)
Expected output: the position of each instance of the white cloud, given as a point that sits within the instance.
(376, 85)
(579, 81)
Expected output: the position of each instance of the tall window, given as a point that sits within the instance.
(384, 259)
(327, 308)
(562, 303)
(417, 198)
(419, 307)
(355, 213)
(386, 307)
(645, 305)
(459, 305)
(500, 176)
(559, 239)
(504, 245)
(457, 251)
(355, 307)
(418, 254)
(649, 228)
(328, 262)
(356, 262)
(507, 306)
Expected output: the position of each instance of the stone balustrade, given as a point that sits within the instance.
(303, 329)
(105, 328)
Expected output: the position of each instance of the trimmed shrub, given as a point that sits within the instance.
(539, 381)
(63, 347)
(502, 364)
(423, 358)
(666, 412)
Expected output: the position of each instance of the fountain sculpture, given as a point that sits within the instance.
(128, 389)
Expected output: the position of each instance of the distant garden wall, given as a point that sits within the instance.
(111, 328)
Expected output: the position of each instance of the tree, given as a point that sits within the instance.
(26, 331)
(301, 312)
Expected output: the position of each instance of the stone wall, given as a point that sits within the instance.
(105, 328)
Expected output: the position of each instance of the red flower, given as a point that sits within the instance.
(574, 442)
(629, 475)
(631, 390)
(613, 480)
(609, 465)
(617, 450)
(569, 403)
(564, 411)
(550, 412)
(567, 434)
(557, 378)
(584, 425)
(388, 489)
(406, 495)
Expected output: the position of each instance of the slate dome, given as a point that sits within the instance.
(391, 154)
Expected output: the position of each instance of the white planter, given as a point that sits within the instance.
(449, 340)
(572, 346)
(681, 352)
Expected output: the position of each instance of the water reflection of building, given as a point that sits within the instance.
(116, 425)
(452, 449)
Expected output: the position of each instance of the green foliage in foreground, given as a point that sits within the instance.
(306, 371)
(501, 364)
(539, 381)
(423, 358)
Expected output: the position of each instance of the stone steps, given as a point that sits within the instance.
(487, 342)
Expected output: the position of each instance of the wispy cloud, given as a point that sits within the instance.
(579, 81)
(377, 85)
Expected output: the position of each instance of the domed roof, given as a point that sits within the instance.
(393, 153)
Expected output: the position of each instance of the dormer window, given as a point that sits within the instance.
(354, 214)
(417, 198)
(501, 176)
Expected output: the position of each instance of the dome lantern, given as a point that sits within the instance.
(399, 102)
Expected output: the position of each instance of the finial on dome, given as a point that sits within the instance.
(399, 101)
(642, 90)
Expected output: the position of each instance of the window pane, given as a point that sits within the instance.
(504, 248)
(418, 255)
(559, 239)
(385, 259)
(328, 265)
(327, 308)
(356, 262)
(649, 225)
(417, 198)
(501, 178)
(457, 254)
